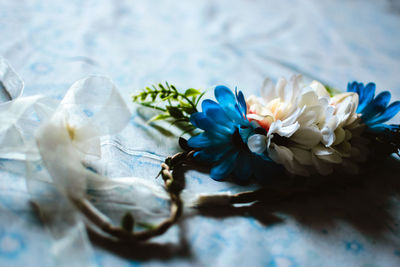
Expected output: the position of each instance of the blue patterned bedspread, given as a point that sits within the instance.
(200, 44)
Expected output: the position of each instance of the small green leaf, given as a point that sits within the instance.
(159, 117)
(184, 104)
(192, 92)
(175, 112)
(128, 222)
(200, 96)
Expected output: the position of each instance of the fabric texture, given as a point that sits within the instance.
(199, 44)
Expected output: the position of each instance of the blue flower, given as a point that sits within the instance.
(374, 111)
(223, 142)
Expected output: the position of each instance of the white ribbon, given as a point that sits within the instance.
(57, 140)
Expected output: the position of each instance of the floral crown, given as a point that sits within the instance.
(306, 129)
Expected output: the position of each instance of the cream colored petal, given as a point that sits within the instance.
(340, 135)
(303, 156)
(310, 115)
(274, 127)
(344, 148)
(257, 143)
(280, 154)
(327, 154)
(309, 98)
(319, 88)
(293, 117)
(308, 136)
(268, 90)
(280, 88)
(288, 131)
(322, 167)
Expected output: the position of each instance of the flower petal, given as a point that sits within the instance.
(200, 120)
(227, 100)
(268, 90)
(225, 166)
(280, 154)
(389, 113)
(378, 105)
(214, 111)
(241, 101)
(205, 140)
(257, 143)
(308, 136)
(352, 87)
(322, 167)
(303, 156)
(366, 95)
(212, 154)
(243, 171)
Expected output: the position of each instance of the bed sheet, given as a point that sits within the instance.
(200, 44)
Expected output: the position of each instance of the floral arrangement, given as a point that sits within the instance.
(304, 129)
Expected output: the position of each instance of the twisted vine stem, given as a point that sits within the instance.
(173, 187)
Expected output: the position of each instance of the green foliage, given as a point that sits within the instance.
(174, 106)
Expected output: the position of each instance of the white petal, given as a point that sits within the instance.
(322, 151)
(324, 101)
(319, 88)
(303, 156)
(293, 117)
(308, 99)
(348, 135)
(327, 154)
(308, 136)
(280, 154)
(288, 131)
(295, 168)
(268, 90)
(344, 148)
(274, 127)
(333, 158)
(255, 117)
(310, 115)
(280, 88)
(323, 168)
(257, 143)
(340, 136)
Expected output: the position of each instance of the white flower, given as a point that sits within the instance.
(306, 129)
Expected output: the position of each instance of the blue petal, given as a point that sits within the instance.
(200, 120)
(389, 113)
(224, 95)
(206, 139)
(241, 101)
(243, 170)
(378, 105)
(245, 132)
(366, 95)
(212, 154)
(225, 166)
(227, 100)
(352, 87)
(214, 111)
